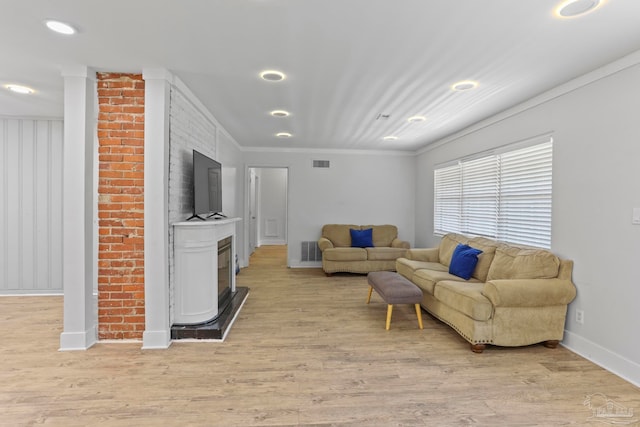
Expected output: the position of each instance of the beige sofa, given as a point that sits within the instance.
(516, 296)
(339, 256)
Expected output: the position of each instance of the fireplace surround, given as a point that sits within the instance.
(204, 274)
(225, 271)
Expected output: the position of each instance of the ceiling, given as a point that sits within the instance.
(348, 63)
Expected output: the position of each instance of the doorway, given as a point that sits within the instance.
(268, 207)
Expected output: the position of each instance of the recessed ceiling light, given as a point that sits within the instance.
(280, 113)
(464, 85)
(414, 119)
(284, 135)
(574, 8)
(272, 75)
(19, 89)
(60, 27)
(390, 138)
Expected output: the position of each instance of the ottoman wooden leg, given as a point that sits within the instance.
(419, 314)
(389, 311)
(370, 291)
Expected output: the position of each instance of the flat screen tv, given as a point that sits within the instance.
(207, 187)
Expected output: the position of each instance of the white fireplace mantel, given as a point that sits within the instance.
(196, 268)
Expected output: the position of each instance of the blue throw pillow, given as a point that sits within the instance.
(463, 261)
(361, 238)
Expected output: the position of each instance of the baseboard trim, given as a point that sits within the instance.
(272, 242)
(156, 340)
(612, 362)
(74, 341)
(310, 264)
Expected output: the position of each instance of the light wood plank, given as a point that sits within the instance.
(304, 350)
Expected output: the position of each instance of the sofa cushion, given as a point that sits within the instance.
(383, 235)
(361, 238)
(339, 234)
(488, 248)
(423, 254)
(414, 265)
(345, 254)
(464, 297)
(384, 254)
(448, 244)
(407, 267)
(426, 279)
(512, 262)
(463, 261)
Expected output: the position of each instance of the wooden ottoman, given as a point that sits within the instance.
(395, 289)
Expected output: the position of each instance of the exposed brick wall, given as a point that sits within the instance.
(121, 308)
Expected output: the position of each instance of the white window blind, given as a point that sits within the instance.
(505, 196)
(479, 195)
(448, 197)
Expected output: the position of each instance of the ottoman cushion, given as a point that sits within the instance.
(394, 288)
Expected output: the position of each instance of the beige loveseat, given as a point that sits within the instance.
(339, 256)
(516, 296)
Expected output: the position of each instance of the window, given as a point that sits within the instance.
(505, 195)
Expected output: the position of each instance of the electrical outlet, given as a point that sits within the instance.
(580, 316)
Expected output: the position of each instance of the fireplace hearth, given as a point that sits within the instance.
(216, 328)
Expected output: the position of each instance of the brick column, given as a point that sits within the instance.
(121, 308)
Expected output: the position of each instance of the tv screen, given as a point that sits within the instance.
(207, 186)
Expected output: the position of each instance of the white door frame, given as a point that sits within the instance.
(247, 214)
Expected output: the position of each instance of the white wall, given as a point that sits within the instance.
(358, 188)
(190, 129)
(30, 206)
(193, 127)
(233, 187)
(596, 185)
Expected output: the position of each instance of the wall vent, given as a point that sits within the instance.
(310, 252)
(321, 164)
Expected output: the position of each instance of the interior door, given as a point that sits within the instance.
(253, 209)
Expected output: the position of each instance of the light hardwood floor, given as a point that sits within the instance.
(304, 351)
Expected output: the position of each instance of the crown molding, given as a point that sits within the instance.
(621, 64)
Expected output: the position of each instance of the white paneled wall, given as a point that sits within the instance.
(30, 206)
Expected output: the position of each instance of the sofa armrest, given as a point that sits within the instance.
(529, 292)
(397, 243)
(324, 243)
(423, 254)
(566, 269)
